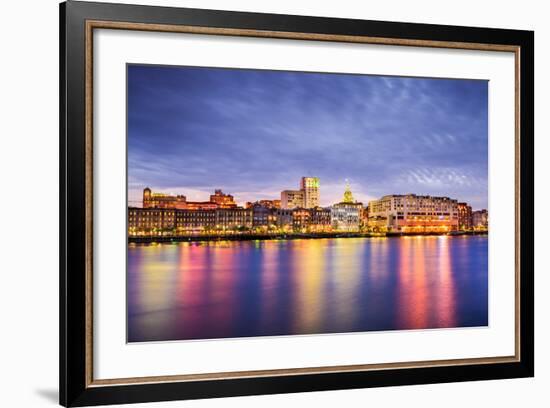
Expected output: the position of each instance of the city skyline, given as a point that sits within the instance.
(191, 130)
(206, 197)
(174, 216)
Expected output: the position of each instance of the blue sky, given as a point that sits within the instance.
(254, 133)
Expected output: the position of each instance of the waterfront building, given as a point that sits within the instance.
(151, 221)
(480, 219)
(413, 213)
(201, 205)
(346, 215)
(307, 196)
(320, 219)
(263, 217)
(292, 199)
(233, 219)
(194, 221)
(164, 214)
(364, 218)
(264, 203)
(270, 203)
(207, 220)
(301, 218)
(464, 216)
(297, 219)
(310, 188)
(283, 218)
(161, 200)
(167, 221)
(223, 200)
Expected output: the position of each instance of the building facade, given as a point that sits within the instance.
(308, 196)
(346, 215)
(195, 221)
(264, 203)
(233, 219)
(310, 187)
(301, 219)
(160, 200)
(201, 205)
(480, 219)
(270, 203)
(263, 217)
(165, 221)
(292, 199)
(164, 214)
(223, 200)
(413, 213)
(464, 217)
(151, 221)
(283, 219)
(320, 219)
(364, 218)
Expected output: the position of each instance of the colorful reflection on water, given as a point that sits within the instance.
(265, 288)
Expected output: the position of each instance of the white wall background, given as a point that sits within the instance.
(29, 185)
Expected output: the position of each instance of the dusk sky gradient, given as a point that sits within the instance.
(255, 133)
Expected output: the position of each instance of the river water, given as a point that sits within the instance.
(229, 289)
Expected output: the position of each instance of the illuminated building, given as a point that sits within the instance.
(263, 216)
(346, 215)
(163, 221)
(310, 188)
(348, 196)
(172, 215)
(364, 218)
(297, 219)
(292, 199)
(233, 218)
(413, 213)
(265, 203)
(306, 197)
(191, 221)
(221, 219)
(303, 219)
(464, 216)
(151, 221)
(160, 200)
(480, 219)
(283, 218)
(223, 200)
(270, 203)
(300, 219)
(266, 218)
(320, 219)
(201, 205)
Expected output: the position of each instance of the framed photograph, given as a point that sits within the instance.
(256, 203)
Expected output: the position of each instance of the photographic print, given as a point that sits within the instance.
(252, 202)
(277, 203)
